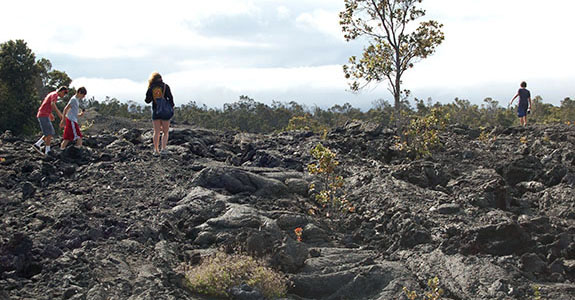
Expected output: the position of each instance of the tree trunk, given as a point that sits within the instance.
(397, 83)
(397, 95)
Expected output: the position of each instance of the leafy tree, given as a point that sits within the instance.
(489, 109)
(463, 112)
(24, 82)
(44, 66)
(50, 80)
(57, 79)
(568, 110)
(543, 113)
(18, 72)
(382, 112)
(393, 47)
(305, 122)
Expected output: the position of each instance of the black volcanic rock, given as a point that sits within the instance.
(112, 221)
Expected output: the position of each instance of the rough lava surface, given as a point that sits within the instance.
(491, 215)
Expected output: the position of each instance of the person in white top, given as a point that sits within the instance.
(72, 112)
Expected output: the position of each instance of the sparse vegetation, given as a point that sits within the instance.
(434, 292)
(486, 137)
(216, 275)
(422, 135)
(86, 125)
(306, 122)
(536, 292)
(329, 194)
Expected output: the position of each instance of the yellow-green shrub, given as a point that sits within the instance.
(422, 135)
(329, 194)
(216, 275)
(434, 292)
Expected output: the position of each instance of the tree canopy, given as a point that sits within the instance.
(23, 83)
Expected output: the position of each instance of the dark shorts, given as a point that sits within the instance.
(46, 126)
(522, 111)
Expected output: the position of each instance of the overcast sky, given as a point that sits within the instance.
(212, 52)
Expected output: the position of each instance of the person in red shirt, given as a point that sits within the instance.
(45, 118)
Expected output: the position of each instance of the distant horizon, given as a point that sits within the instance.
(293, 50)
(502, 104)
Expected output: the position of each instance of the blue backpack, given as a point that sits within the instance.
(164, 110)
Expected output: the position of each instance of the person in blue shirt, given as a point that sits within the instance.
(524, 106)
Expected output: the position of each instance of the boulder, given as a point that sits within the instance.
(422, 173)
(527, 168)
(501, 239)
(236, 181)
(481, 187)
(290, 256)
(532, 263)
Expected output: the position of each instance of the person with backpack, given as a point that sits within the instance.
(524, 106)
(160, 95)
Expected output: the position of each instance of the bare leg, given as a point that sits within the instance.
(79, 142)
(166, 133)
(47, 140)
(64, 144)
(157, 126)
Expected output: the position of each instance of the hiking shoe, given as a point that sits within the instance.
(164, 152)
(155, 154)
(38, 149)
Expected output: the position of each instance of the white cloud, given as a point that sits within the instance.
(103, 29)
(119, 88)
(214, 86)
(489, 45)
(283, 12)
(321, 20)
(196, 83)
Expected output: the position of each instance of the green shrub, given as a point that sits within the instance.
(486, 137)
(329, 195)
(536, 292)
(434, 291)
(216, 275)
(305, 122)
(422, 135)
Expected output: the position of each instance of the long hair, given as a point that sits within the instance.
(154, 77)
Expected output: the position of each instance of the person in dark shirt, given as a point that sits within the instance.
(158, 89)
(524, 106)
